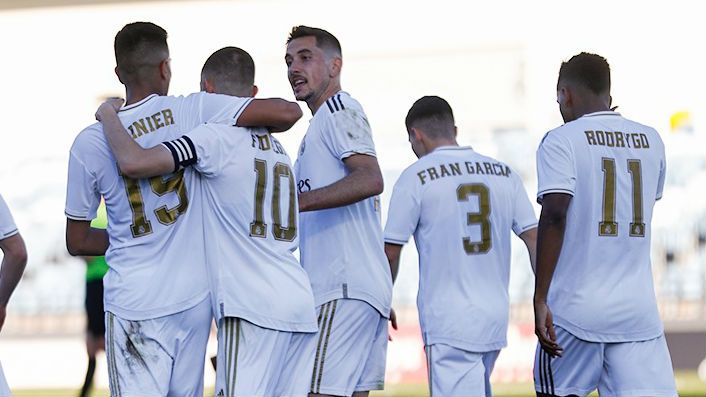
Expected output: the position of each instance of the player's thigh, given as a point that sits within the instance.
(295, 376)
(250, 358)
(576, 372)
(138, 364)
(638, 369)
(346, 339)
(454, 372)
(190, 329)
(373, 376)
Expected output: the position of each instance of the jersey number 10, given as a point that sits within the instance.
(258, 227)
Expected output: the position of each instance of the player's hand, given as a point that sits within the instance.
(544, 329)
(393, 322)
(110, 106)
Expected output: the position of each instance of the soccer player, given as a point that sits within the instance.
(342, 250)
(96, 268)
(599, 177)
(13, 265)
(263, 298)
(461, 207)
(158, 314)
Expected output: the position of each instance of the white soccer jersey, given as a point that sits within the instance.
(7, 224)
(341, 248)
(156, 254)
(614, 168)
(461, 207)
(250, 219)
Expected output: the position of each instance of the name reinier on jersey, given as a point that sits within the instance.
(463, 287)
(7, 223)
(251, 228)
(614, 168)
(156, 256)
(341, 248)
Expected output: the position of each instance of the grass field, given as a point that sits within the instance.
(688, 383)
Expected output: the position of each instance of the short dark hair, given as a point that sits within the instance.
(140, 44)
(589, 70)
(324, 40)
(231, 70)
(433, 115)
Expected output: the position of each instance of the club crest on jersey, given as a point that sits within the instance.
(302, 147)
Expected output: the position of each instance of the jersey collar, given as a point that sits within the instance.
(136, 104)
(451, 147)
(602, 113)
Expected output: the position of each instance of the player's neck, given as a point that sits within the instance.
(137, 93)
(592, 106)
(316, 103)
(437, 143)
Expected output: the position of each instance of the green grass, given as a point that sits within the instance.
(688, 383)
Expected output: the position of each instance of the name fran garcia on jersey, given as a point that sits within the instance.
(617, 139)
(466, 168)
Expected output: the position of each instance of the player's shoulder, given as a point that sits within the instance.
(89, 138)
(341, 104)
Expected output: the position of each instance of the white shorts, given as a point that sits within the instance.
(351, 348)
(164, 356)
(261, 362)
(641, 368)
(459, 373)
(4, 388)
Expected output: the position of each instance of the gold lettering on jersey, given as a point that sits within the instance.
(455, 169)
(266, 142)
(617, 139)
(156, 121)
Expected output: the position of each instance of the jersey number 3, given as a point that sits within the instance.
(463, 193)
(141, 226)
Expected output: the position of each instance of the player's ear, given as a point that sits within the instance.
(254, 90)
(117, 73)
(335, 67)
(165, 69)
(207, 85)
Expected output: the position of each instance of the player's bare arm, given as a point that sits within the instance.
(276, 114)
(134, 161)
(364, 180)
(550, 238)
(393, 252)
(529, 237)
(13, 264)
(84, 240)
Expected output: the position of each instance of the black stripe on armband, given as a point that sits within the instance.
(183, 152)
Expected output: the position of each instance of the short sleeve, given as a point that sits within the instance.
(7, 224)
(404, 212)
(216, 108)
(210, 149)
(556, 172)
(82, 196)
(523, 218)
(662, 175)
(349, 133)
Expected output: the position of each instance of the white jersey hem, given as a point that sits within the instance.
(271, 323)
(139, 315)
(464, 345)
(605, 337)
(320, 299)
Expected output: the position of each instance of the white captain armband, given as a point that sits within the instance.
(183, 152)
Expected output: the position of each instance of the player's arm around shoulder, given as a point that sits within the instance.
(133, 160)
(276, 114)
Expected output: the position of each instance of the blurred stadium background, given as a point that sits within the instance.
(495, 62)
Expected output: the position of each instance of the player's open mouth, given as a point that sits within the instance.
(299, 81)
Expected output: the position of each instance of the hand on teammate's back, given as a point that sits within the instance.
(544, 329)
(393, 322)
(112, 105)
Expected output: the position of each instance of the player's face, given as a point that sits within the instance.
(307, 69)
